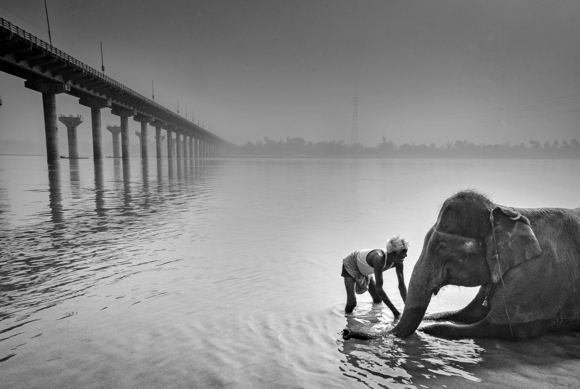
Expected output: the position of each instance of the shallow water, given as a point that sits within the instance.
(226, 273)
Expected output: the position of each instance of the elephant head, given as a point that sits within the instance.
(473, 242)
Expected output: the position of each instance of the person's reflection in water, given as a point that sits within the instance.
(374, 364)
(55, 194)
(391, 362)
(75, 178)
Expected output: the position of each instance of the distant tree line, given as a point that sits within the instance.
(298, 147)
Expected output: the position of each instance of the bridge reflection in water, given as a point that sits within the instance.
(173, 174)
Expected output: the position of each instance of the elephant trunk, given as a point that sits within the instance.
(418, 298)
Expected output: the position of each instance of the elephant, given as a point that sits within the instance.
(525, 260)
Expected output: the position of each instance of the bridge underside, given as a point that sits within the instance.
(40, 64)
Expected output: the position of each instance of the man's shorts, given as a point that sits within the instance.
(362, 282)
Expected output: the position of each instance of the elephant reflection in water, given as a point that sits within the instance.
(527, 262)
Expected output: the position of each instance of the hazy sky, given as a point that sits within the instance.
(424, 71)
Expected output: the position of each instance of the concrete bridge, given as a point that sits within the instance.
(49, 71)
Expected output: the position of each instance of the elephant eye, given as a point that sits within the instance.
(441, 247)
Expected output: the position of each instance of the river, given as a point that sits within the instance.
(226, 273)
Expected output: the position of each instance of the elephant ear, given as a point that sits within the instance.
(515, 241)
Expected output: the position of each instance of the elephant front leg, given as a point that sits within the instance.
(471, 314)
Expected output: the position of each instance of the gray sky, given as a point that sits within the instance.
(424, 71)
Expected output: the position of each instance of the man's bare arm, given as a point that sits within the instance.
(379, 266)
(401, 278)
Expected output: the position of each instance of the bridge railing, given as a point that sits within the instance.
(39, 43)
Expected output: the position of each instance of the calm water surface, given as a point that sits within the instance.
(226, 273)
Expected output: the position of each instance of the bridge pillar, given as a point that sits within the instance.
(185, 145)
(138, 133)
(191, 148)
(144, 120)
(170, 129)
(49, 91)
(158, 138)
(158, 141)
(115, 131)
(178, 144)
(96, 105)
(71, 122)
(124, 113)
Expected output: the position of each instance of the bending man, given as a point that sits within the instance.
(358, 268)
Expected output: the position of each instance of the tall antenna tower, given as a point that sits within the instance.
(354, 133)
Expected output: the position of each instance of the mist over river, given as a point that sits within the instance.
(226, 273)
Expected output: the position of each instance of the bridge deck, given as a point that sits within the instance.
(26, 56)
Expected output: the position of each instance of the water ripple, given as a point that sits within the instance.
(390, 362)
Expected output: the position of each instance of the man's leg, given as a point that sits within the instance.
(349, 284)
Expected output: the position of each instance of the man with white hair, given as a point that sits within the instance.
(358, 268)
